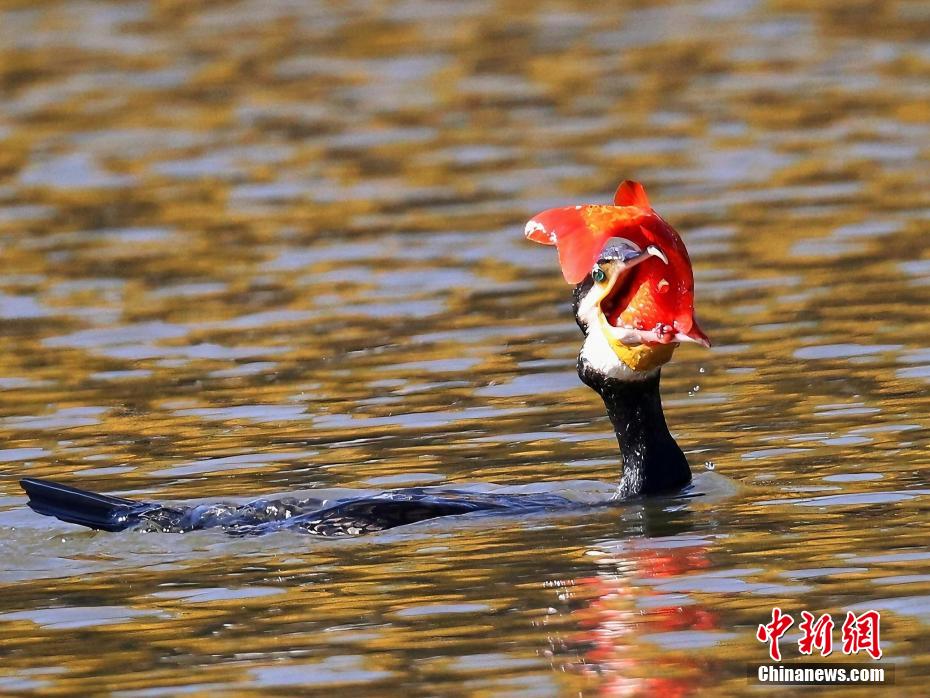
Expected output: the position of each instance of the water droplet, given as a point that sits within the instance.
(696, 388)
(702, 370)
(709, 465)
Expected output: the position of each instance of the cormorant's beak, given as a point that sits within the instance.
(624, 300)
(695, 334)
(630, 255)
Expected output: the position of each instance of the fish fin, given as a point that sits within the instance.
(631, 193)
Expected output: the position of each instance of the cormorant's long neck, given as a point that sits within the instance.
(652, 460)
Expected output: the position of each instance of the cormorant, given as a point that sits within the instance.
(634, 301)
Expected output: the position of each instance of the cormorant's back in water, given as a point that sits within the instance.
(634, 301)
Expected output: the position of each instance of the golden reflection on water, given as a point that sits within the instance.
(257, 247)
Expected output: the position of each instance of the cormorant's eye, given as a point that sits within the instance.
(599, 275)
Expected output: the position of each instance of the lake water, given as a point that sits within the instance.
(256, 247)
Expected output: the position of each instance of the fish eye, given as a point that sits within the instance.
(599, 275)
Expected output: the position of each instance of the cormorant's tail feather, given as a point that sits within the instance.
(98, 511)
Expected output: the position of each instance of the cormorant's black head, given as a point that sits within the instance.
(634, 295)
(614, 347)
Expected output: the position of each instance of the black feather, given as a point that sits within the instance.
(98, 511)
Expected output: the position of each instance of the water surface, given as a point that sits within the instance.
(255, 247)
